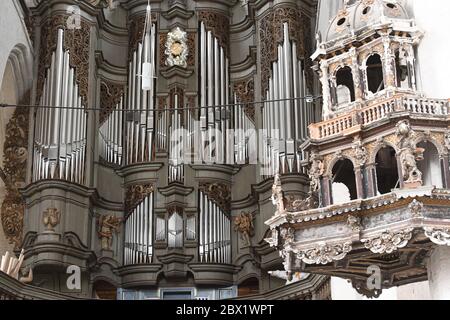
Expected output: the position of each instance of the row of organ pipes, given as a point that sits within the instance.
(286, 114)
(111, 135)
(60, 123)
(215, 228)
(138, 247)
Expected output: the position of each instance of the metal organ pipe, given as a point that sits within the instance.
(214, 238)
(58, 152)
(286, 121)
(138, 237)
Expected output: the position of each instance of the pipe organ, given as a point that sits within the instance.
(138, 246)
(214, 232)
(139, 110)
(110, 136)
(245, 136)
(285, 114)
(60, 123)
(215, 117)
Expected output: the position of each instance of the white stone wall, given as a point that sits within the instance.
(434, 50)
(341, 289)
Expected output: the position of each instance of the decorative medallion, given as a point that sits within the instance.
(325, 253)
(176, 48)
(388, 242)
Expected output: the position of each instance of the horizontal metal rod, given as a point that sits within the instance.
(313, 98)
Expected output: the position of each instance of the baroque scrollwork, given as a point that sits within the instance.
(354, 223)
(218, 24)
(438, 236)
(361, 288)
(388, 242)
(110, 94)
(325, 253)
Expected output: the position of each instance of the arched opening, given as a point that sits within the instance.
(248, 287)
(104, 290)
(387, 170)
(345, 87)
(375, 79)
(430, 166)
(344, 182)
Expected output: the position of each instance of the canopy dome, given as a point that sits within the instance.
(358, 14)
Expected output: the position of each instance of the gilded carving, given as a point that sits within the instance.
(244, 225)
(15, 158)
(110, 95)
(245, 92)
(136, 32)
(135, 194)
(107, 226)
(219, 193)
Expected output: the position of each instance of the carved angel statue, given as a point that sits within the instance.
(51, 218)
(278, 195)
(409, 153)
(107, 225)
(244, 225)
(315, 172)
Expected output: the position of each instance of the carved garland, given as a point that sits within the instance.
(15, 167)
(77, 41)
(219, 193)
(135, 32)
(135, 194)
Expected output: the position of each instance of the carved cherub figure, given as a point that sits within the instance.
(244, 225)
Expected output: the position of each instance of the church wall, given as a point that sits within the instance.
(429, 16)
